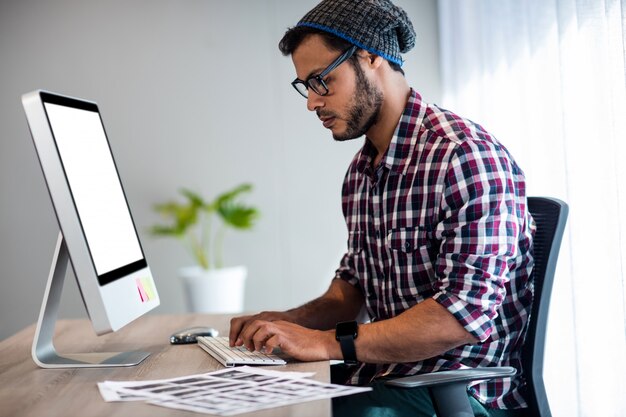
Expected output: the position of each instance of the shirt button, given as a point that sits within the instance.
(378, 234)
(407, 245)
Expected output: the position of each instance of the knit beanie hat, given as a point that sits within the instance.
(377, 26)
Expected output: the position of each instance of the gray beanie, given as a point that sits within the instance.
(377, 26)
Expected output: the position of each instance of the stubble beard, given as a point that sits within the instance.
(364, 110)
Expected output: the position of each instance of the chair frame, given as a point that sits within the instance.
(448, 389)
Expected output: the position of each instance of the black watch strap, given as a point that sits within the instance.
(348, 350)
(345, 333)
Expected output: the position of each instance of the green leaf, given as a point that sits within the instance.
(181, 216)
(165, 231)
(233, 213)
(194, 199)
(229, 196)
(239, 216)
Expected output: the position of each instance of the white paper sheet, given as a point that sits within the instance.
(227, 391)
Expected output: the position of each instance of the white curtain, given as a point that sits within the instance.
(548, 78)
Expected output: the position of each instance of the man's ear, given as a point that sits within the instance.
(374, 61)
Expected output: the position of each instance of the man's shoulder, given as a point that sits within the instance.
(468, 138)
(442, 123)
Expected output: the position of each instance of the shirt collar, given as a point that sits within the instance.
(402, 146)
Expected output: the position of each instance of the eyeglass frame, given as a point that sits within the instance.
(320, 77)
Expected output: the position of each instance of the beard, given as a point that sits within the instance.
(364, 109)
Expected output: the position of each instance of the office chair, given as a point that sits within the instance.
(448, 389)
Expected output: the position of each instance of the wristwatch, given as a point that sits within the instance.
(345, 333)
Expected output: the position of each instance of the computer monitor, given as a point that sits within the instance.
(97, 233)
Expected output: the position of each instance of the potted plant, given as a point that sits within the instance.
(209, 286)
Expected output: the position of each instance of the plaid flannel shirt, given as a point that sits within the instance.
(443, 216)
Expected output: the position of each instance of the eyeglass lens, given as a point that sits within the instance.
(316, 83)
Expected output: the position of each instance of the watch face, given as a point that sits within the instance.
(347, 328)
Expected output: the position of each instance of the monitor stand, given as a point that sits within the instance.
(43, 351)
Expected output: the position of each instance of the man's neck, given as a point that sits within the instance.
(381, 133)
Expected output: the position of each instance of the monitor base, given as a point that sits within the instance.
(89, 360)
(43, 352)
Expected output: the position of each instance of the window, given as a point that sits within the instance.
(549, 80)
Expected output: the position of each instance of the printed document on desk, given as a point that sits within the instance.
(228, 391)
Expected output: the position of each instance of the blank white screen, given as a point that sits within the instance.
(95, 186)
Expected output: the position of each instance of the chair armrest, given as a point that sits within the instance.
(452, 377)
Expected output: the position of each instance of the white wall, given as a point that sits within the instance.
(193, 94)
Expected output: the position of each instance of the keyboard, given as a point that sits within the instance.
(231, 356)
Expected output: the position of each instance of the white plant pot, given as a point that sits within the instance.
(214, 290)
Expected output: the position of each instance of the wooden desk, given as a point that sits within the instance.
(27, 390)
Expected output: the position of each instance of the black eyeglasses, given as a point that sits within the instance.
(316, 82)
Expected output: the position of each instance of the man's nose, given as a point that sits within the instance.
(314, 101)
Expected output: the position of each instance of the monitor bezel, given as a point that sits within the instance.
(65, 101)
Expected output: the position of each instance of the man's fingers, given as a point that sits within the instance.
(236, 326)
(249, 333)
(243, 329)
(273, 343)
(257, 333)
(261, 336)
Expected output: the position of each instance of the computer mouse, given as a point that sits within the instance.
(190, 335)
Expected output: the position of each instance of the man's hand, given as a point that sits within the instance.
(306, 332)
(294, 340)
(237, 324)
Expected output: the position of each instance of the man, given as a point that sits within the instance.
(439, 235)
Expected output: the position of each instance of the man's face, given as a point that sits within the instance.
(353, 102)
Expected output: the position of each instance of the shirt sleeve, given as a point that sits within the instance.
(347, 270)
(478, 230)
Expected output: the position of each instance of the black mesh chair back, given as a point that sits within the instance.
(550, 216)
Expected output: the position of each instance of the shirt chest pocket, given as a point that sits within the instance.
(410, 247)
